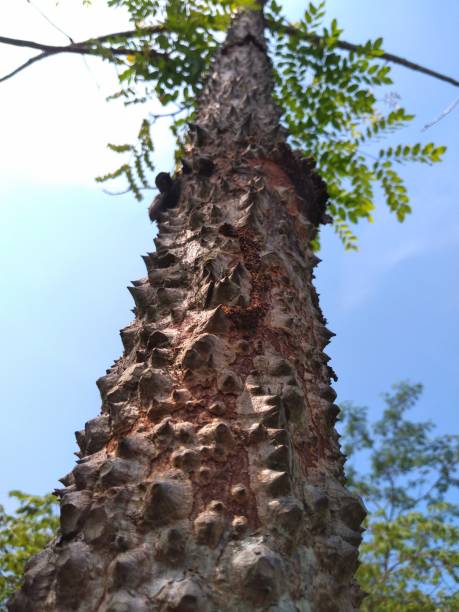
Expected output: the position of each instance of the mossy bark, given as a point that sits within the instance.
(213, 480)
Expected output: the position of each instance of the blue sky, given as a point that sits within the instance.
(68, 250)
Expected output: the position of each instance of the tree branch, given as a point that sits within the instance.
(156, 29)
(85, 48)
(26, 64)
(443, 114)
(82, 48)
(347, 46)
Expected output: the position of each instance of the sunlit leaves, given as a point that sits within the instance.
(410, 562)
(330, 96)
(22, 534)
(330, 108)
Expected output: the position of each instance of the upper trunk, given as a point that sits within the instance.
(237, 105)
(212, 481)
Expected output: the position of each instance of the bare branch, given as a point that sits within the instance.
(347, 46)
(17, 42)
(156, 29)
(85, 47)
(26, 64)
(82, 48)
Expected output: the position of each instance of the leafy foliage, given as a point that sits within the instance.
(168, 56)
(328, 94)
(23, 534)
(140, 153)
(410, 553)
(329, 98)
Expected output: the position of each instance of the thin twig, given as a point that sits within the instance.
(88, 68)
(56, 27)
(156, 29)
(125, 191)
(116, 193)
(447, 111)
(85, 47)
(347, 46)
(170, 114)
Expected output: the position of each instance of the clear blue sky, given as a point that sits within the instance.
(68, 250)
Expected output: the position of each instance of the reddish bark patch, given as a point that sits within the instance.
(235, 470)
(249, 317)
(276, 176)
(307, 455)
(288, 169)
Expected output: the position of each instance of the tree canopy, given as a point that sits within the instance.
(333, 94)
(23, 533)
(410, 553)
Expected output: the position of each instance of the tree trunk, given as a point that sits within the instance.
(213, 480)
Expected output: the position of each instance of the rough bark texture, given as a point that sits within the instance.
(213, 480)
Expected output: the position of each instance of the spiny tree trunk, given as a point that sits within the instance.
(213, 480)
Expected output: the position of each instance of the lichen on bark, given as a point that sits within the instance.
(213, 480)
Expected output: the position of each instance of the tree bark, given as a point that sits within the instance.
(213, 479)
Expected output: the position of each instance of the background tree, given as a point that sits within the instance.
(22, 534)
(410, 553)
